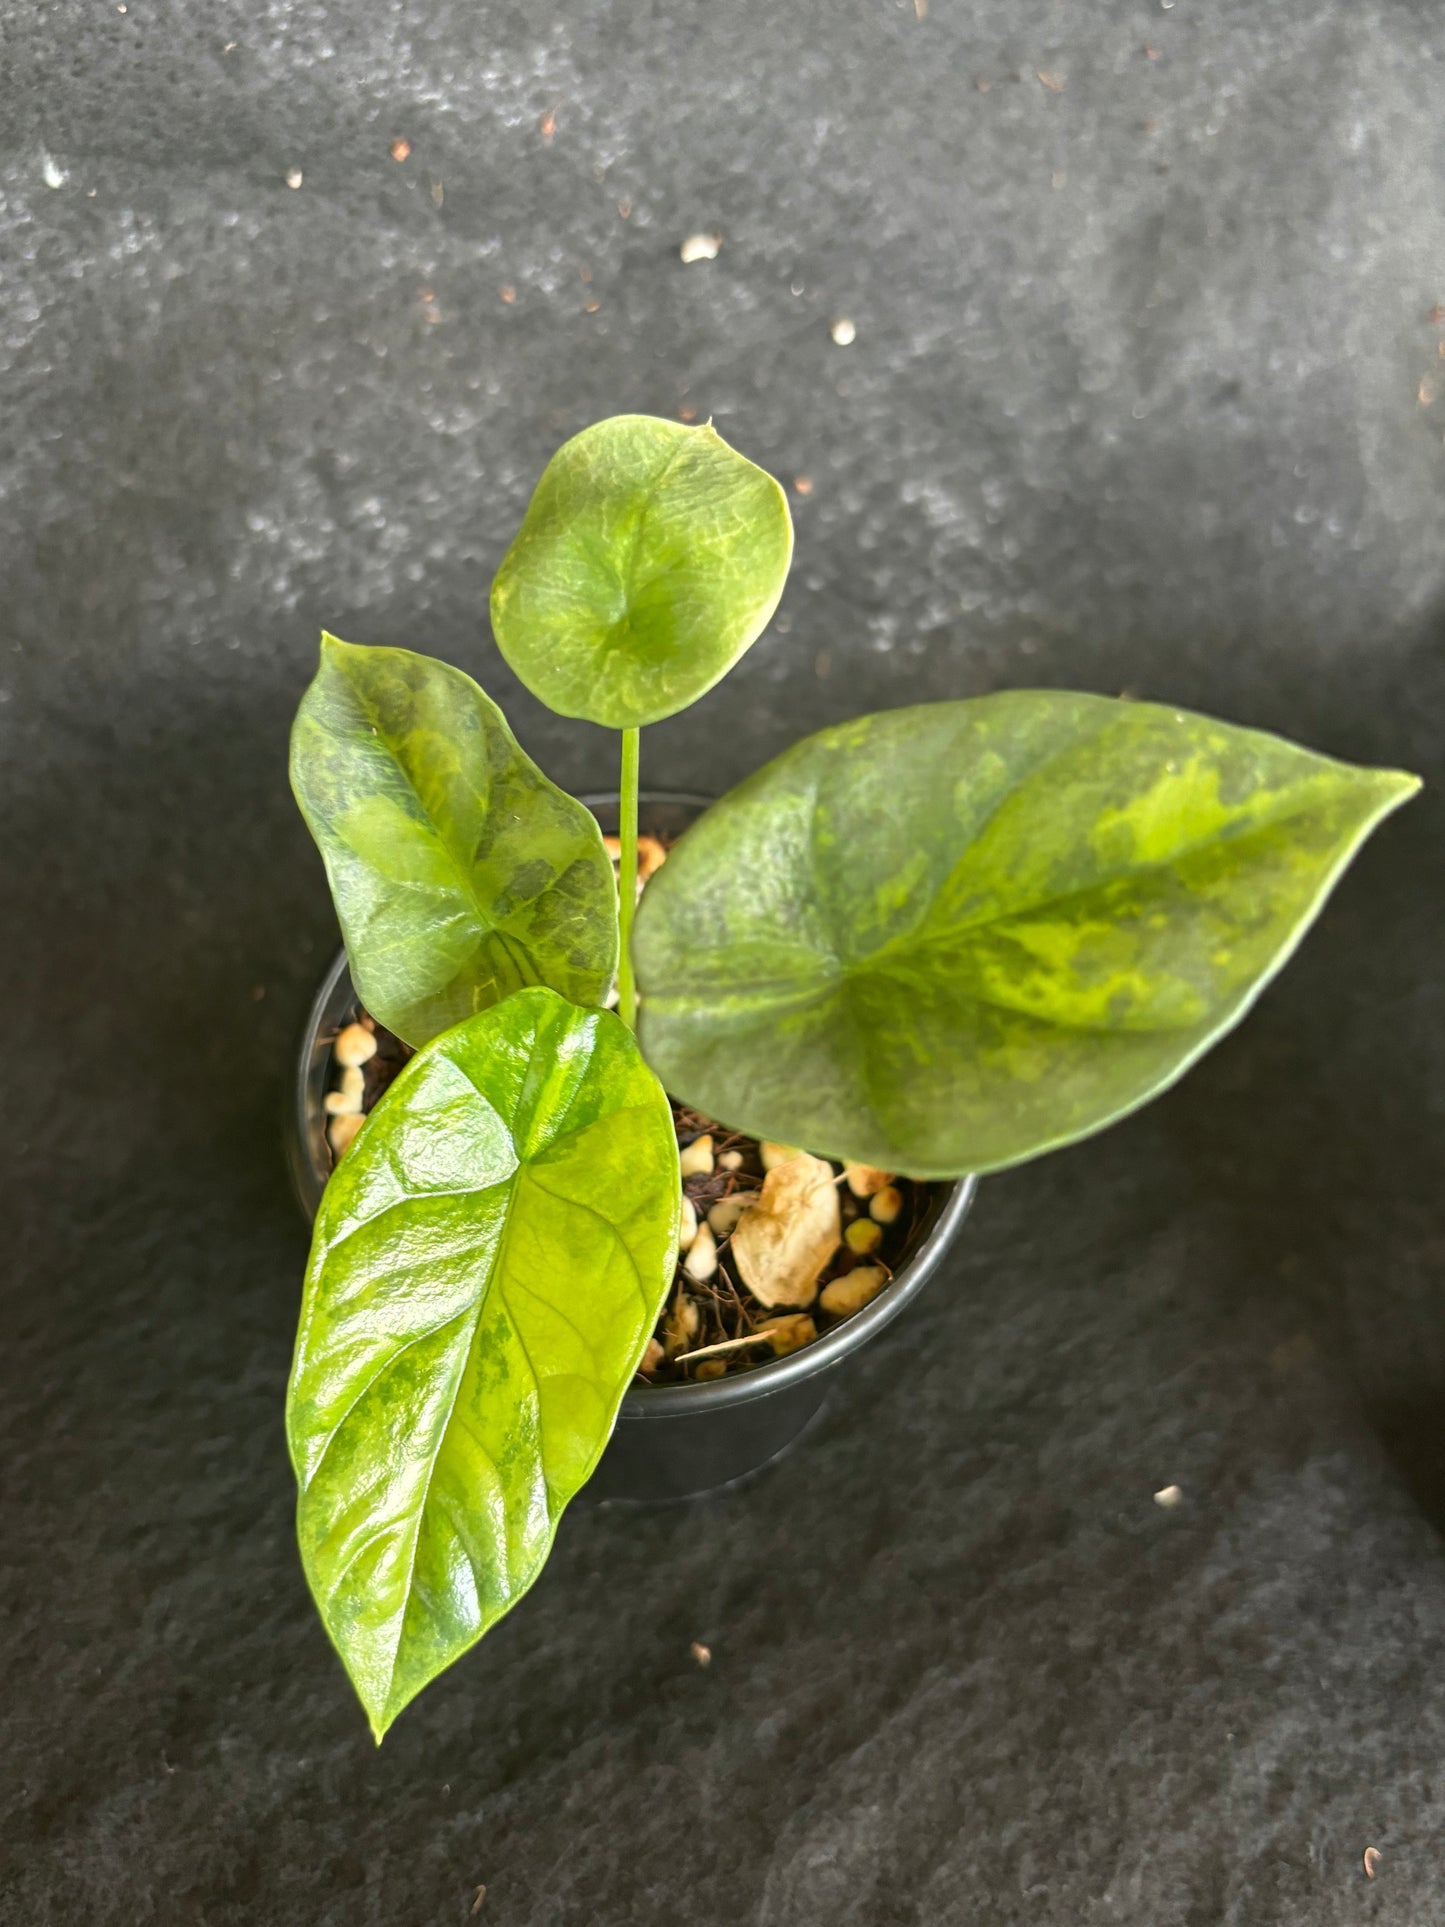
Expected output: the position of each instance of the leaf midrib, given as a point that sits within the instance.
(918, 939)
(495, 1278)
(626, 573)
(894, 958)
(487, 926)
(464, 1354)
(1075, 743)
(835, 987)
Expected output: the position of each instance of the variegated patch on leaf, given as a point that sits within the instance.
(948, 938)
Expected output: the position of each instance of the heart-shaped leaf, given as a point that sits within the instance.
(651, 557)
(948, 938)
(488, 1263)
(460, 873)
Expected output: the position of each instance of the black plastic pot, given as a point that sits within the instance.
(671, 1441)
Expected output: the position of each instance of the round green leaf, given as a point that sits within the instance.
(460, 873)
(488, 1263)
(949, 938)
(651, 557)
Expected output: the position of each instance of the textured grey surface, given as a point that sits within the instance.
(1140, 397)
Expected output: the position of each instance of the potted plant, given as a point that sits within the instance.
(931, 942)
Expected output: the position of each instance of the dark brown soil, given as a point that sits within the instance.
(727, 1309)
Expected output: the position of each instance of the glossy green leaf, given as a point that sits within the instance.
(488, 1263)
(651, 557)
(948, 938)
(460, 873)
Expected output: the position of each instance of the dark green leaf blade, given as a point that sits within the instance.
(949, 938)
(460, 874)
(651, 557)
(488, 1263)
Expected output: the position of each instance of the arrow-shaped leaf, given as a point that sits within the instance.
(460, 873)
(488, 1263)
(948, 938)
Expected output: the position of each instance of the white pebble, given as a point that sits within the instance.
(863, 1236)
(724, 1215)
(293, 177)
(341, 1130)
(354, 1045)
(1168, 1495)
(843, 332)
(865, 1179)
(700, 1264)
(696, 1160)
(700, 247)
(843, 1296)
(886, 1204)
(347, 1099)
(790, 1331)
(686, 1224)
(682, 1325)
(777, 1153)
(730, 1161)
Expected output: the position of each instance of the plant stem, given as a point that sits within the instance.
(627, 875)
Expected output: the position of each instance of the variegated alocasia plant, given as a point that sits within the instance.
(940, 939)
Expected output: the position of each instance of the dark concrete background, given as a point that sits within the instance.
(1141, 397)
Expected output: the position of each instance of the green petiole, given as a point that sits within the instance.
(627, 875)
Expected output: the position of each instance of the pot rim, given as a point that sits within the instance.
(641, 1400)
(823, 1352)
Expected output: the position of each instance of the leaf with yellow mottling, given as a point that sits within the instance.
(487, 1266)
(949, 938)
(652, 555)
(460, 874)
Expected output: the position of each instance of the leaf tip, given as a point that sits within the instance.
(1393, 788)
(336, 652)
(379, 1705)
